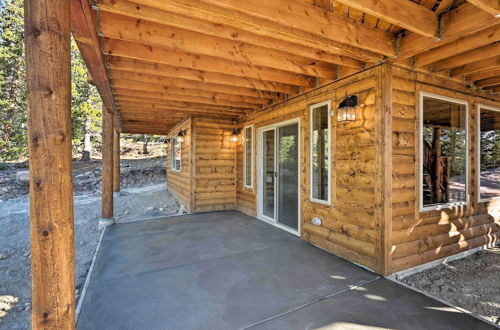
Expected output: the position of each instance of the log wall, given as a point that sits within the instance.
(179, 182)
(349, 224)
(214, 166)
(420, 237)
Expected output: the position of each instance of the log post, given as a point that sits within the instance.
(107, 168)
(48, 63)
(116, 161)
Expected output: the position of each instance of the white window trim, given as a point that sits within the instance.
(311, 110)
(245, 157)
(478, 152)
(421, 152)
(172, 160)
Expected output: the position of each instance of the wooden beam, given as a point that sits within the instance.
(327, 31)
(494, 81)
(483, 64)
(467, 57)
(213, 97)
(116, 161)
(206, 63)
(490, 6)
(107, 164)
(163, 36)
(403, 13)
(138, 112)
(462, 21)
(169, 71)
(48, 58)
(484, 74)
(184, 83)
(146, 13)
(461, 45)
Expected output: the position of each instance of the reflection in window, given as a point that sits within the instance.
(320, 152)
(489, 139)
(176, 155)
(248, 156)
(444, 152)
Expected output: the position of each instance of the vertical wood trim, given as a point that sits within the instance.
(192, 181)
(47, 38)
(116, 161)
(107, 164)
(383, 189)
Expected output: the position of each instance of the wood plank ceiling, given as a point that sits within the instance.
(156, 62)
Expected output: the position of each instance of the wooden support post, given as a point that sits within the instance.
(107, 167)
(116, 161)
(47, 38)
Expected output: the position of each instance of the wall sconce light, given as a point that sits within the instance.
(180, 136)
(234, 134)
(346, 111)
(167, 141)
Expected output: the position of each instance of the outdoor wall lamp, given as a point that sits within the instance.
(167, 141)
(234, 134)
(180, 136)
(346, 111)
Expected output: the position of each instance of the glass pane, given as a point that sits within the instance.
(490, 154)
(288, 171)
(248, 156)
(176, 155)
(268, 175)
(444, 152)
(319, 152)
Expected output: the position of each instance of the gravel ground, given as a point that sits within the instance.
(144, 195)
(472, 283)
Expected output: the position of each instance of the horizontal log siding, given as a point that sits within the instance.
(179, 183)
(348, 224)
(420, 237)
(214, 164)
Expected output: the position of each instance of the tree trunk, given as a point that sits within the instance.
(145, 145)
(87, 146)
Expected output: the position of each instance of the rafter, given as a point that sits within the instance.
(169, 71)
(490, 6)
(494, 81)
(483, 64)
(403, 13)
(484, 74)
(207, 63)
(331, 32)
(467, 57)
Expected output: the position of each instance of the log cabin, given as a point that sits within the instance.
(366, 128)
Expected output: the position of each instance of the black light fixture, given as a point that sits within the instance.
(180, 136)
(167, 141)
(346, 112)
(234, 134)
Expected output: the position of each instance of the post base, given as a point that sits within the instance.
(103, 223)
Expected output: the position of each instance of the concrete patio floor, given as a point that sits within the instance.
(226, 270)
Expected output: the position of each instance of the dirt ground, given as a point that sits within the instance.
(472, 283)
(143, 195)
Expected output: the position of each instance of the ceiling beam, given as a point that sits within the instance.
(490, 6)
(328, 31)
(462, 21)
(169, 71)
(494, 81)
(467, 57)
(403, 13)
(484, 74)
(483, 64)
(146, 13)
(207, 63)
(461, 45)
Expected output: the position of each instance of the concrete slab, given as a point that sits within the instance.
(380, 304)
(225, 270)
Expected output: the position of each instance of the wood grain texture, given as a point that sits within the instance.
(116, 161)
(107, 164)
(47, 40)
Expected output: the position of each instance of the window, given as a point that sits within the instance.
(443, 152)
(248, 152)
(176, 154)
(489, 153)
(320, 152)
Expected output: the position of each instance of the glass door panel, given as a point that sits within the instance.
(268, 175)
(288, 175)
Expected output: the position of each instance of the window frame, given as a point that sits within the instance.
(480, 106)
(245, 161)
(172, 154)
(423, 208)
(328, 103)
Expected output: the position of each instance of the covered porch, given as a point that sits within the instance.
(227, 270)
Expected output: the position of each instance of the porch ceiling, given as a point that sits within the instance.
(157, 62)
